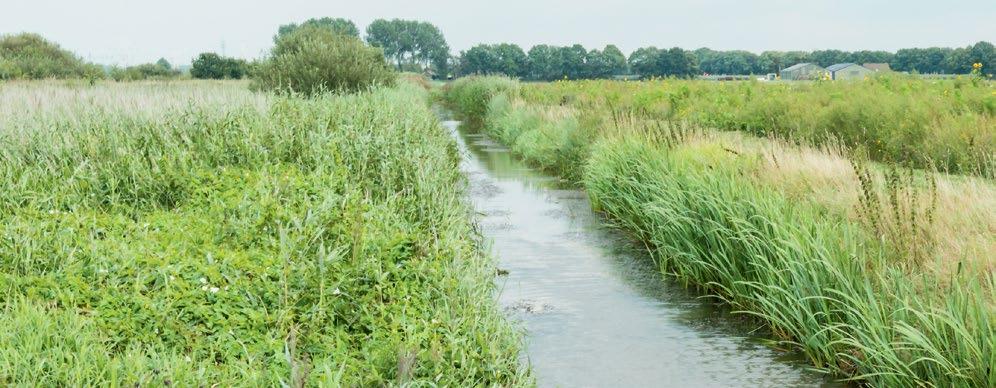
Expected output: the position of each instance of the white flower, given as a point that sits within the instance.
(214, 290)
(204, 281)
(204, 288)
(336, 291)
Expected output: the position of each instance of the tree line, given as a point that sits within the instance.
(545, 63)
(420, 46)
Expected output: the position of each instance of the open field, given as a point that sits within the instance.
(876, 272)
(192, 232)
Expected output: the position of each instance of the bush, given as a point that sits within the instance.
(30, 56)
(214, 66)
(311, 60)
(159, 70)
(471, 95)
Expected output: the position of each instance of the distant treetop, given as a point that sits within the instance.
(337, 25)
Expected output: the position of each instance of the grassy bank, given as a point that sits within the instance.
(949, 125)
(195, 233)
(876, 273)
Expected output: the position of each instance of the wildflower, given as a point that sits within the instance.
(977, 65)
(203, 280)
(214, 290)
(204, 288)
(336, 291)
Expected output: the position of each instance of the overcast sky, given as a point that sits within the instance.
(136, 31)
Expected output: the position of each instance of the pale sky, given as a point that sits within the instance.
(138, 31)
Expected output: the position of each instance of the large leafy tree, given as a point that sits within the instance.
(545, 63)
(828, 57)
(503, 58)
(572, 59)
(616, 58)
(643, 61)
(337, 25)
(410, 42)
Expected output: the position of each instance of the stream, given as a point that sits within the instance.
(595, 308)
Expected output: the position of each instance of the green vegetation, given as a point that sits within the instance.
(161, 70)
(214, 66)
(412, 45)
(313, 60)
(29, 56)
(549, 63)
(948, 125)
(851, 263)
(194, 233)
(337, 25)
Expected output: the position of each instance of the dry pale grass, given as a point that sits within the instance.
(963, 230)
(31, 103)
(962, 234)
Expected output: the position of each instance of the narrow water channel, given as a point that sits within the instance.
(597, 312)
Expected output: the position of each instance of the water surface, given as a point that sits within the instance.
(596, 311)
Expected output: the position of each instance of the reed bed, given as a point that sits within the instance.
(947, 125)
(196, 233)
(847, 260)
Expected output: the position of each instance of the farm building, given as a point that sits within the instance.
(802, 71)
(848, 71)
(878, 67)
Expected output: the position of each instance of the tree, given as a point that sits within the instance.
(572, 61)
(728, 62)
(677, 62)
(315, 59)
(545, 63)
(214, 66)
(411, 42)
(504, 58)
(984, 53)
(161, 69)
(867, 56)
(616, 58)
(828, 57)
(337, 25)
(643, 61)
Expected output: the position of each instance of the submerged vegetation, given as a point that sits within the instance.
(196, 232)
(876, 272)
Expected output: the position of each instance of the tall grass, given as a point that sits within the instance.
(775, 230)
(949, 125)
(249, 240)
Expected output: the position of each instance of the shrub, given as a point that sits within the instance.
(471, 95)
(30, 56)
(313, 59)
(159, 70)
(214, 66)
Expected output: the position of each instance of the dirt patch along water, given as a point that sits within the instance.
(595, 308)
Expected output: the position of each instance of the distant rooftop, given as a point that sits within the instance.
(877, 66)
(799, 66)
(840, 66)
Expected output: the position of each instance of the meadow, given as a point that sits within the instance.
(161, 233)
(947, 125)
(877, 271)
